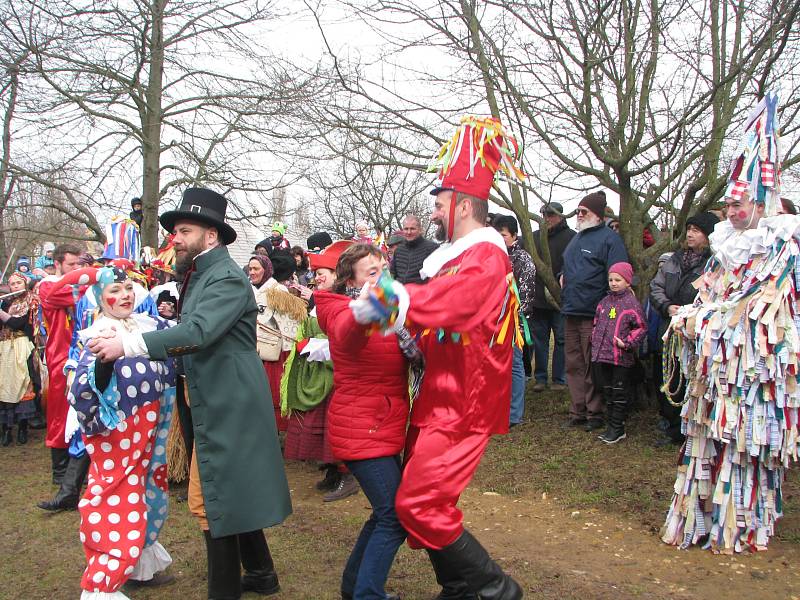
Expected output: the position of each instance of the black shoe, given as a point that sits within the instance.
(59, 457)
(22, 432)
(69, 493)
(594, 424)
(330, 481)
(453, 586)
(484, 577)
(157, 580)
(574, 422)
(37, 422)
(5, 437)
(259, 570)
(224, 569)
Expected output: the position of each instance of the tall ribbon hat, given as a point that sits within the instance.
(468, 162)
(205, 206)
(756, 165)
(122, 240)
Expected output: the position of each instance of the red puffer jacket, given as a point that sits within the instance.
(368, 412)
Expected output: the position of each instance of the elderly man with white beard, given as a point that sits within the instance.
(587, 259)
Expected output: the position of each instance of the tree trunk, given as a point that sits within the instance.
(151, 128)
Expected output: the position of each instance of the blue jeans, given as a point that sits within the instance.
(543, 322)
(517, 387)
(371, 558)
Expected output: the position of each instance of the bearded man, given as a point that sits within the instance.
(584, 283)
(237, 483)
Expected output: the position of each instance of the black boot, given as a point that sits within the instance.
(22, 432)
(259, 570)
(224, 571)
(453, 586)
(5, 437)
(483, 576)
(59, 457)
(69, 493)
(616, 417)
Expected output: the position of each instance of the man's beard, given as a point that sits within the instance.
(589, 221)
(441, 233)
(184, 262)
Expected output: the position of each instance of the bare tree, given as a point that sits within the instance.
(638, 98)
(174, 92)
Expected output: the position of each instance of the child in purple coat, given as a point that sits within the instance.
(619, 327)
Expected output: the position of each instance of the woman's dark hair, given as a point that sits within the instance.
(345, 267)
(298, 251)
(506, 222)
(788, 206)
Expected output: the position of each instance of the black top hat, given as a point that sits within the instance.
(205, 206)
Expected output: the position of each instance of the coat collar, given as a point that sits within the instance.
(210, 257)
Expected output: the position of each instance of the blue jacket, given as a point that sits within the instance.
(586, 261)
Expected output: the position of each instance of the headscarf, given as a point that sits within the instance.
(266, 264)
(19, 305)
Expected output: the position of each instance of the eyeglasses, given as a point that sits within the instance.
(582, 212)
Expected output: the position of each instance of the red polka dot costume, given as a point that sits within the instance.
(125, 425)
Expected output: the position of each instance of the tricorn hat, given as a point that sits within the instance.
(328, 258)
(205, 206)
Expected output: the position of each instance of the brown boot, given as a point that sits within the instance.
(347, 487)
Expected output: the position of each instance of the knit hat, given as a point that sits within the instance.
(24, 261)
(596, 203)
(279, 227)
(48, 247)
(623, 269)
(283, 265)
(704, 221)
(319, 241)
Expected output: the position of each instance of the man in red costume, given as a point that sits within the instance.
(467, 316)
(58, 303)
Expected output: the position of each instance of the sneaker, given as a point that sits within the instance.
(157, 580)
(538, 387)
(611, 438)
(347, 487)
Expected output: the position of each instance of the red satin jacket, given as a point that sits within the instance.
(467, 383)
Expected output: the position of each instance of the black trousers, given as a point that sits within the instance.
(606, 375)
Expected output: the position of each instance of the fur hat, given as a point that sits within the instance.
(319, 241)
(283, 265)
(596, 203)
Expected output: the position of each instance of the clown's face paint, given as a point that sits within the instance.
(117, 299)
(743, 213)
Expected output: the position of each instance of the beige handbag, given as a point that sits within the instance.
(268, 338)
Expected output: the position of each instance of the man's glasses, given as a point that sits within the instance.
(582, 212)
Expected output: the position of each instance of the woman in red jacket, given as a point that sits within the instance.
(367, 418)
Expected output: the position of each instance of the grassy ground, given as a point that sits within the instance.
(624, 488)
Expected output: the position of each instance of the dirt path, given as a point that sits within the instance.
(555, 553)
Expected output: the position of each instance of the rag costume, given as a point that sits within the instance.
(738, 349)
(466, 339)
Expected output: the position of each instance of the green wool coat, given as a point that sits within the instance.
(238, 454)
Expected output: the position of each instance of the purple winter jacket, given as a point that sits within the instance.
(620, 315)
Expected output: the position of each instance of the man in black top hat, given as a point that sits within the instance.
(237, 483)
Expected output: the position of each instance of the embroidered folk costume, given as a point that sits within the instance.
(738, 349)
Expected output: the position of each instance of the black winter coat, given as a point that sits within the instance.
(557, 241)
(673, 285)
(408, 259)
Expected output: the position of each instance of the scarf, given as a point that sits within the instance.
(692, 258)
